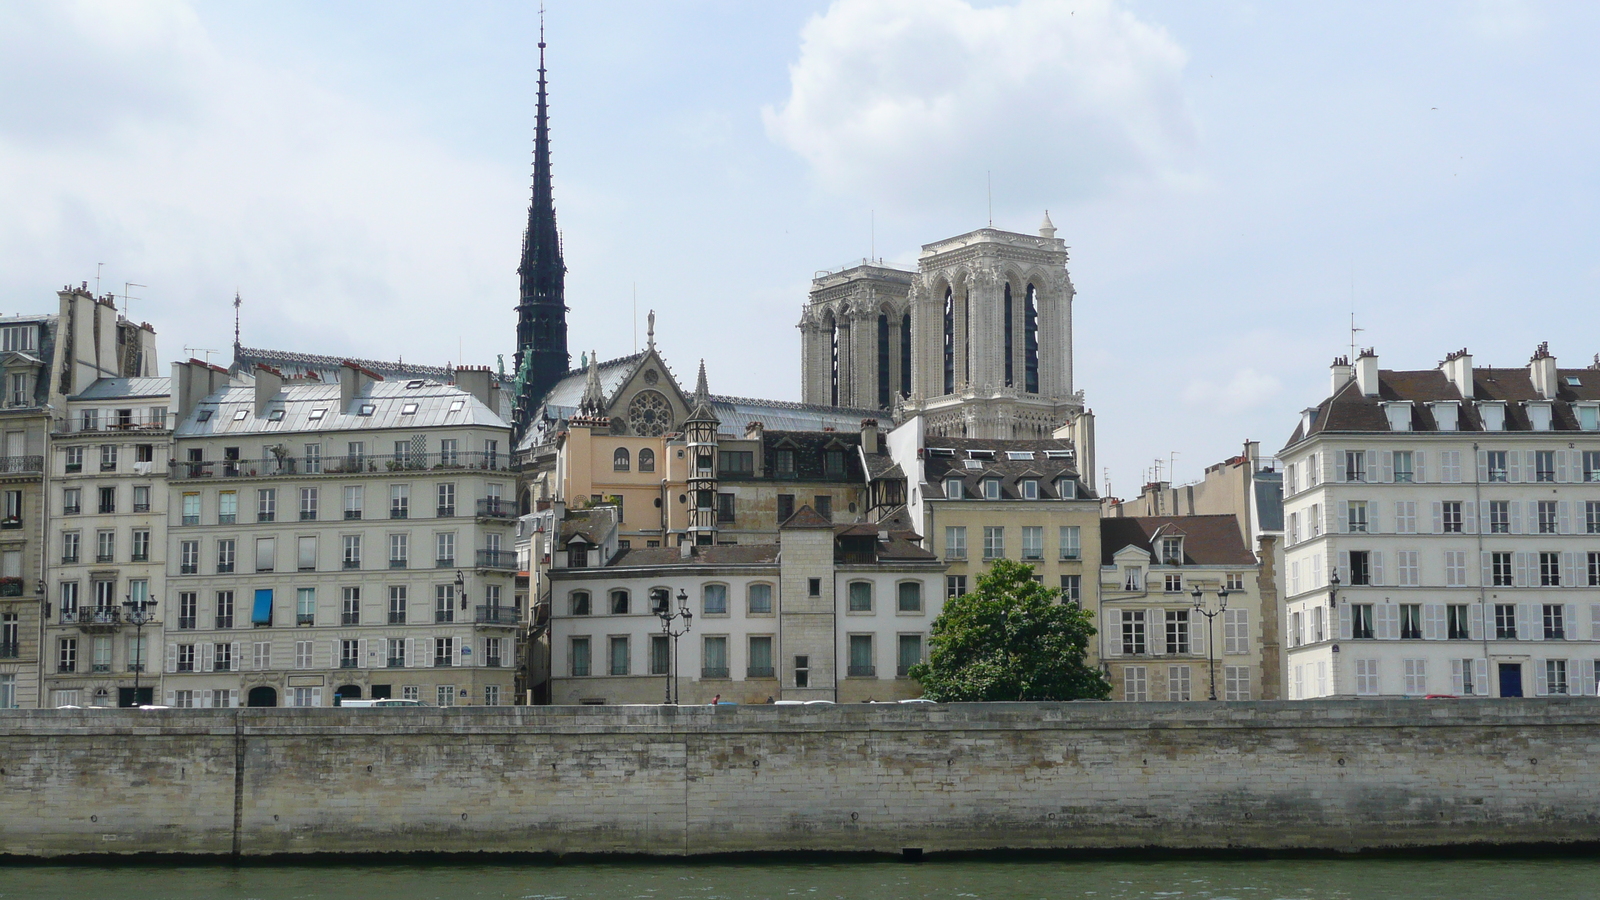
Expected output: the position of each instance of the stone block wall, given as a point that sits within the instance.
(1343, 775)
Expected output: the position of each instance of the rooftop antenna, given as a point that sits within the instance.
(191, 351)
(125, 297)
(97, 268)
(1172, 467)
(236, 304)
(1353, 328)
(988, 177)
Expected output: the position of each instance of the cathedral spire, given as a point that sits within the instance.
(541, 310)
(702, 411)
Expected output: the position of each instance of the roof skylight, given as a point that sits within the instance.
(1019, 454)
(316, 415)
(972, 463)
(239, 416)
(409, 409)
(367, 409)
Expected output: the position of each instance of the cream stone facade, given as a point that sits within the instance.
(978, 340)
(348, 540)
(1459, 509)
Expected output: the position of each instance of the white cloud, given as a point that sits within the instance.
(898, 99)
(194, 170)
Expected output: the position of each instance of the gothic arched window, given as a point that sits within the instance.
(1007, 330)
(905, 355)
(1030, 342)
(883, 361)
(949, 341)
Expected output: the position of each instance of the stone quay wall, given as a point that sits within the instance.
(1335, 775)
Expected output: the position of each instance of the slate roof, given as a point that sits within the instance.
(993, 459)
(806, 517)
(218, 413)
(126, 389)
(1208, 540)
(784, 415)
(1349, 411)
(809, 462)
(726, 555)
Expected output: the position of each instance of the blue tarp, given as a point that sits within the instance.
(261, 613)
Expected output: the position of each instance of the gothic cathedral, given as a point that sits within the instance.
(978, 340)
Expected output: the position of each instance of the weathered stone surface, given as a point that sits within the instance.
(1339, 775)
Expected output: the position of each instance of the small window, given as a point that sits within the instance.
(991, 489)
(942, 451)
(980, 454)
(972, 463)
(367, 409)
(414, 384)
(1058, 454)
(203, 416)
(239, 416)
(408, 409)
(1019, 454)
(1029, 488)
(316, 415)
(457, 405)
(1574, 381)
(275, 416)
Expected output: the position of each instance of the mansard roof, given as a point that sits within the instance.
(126, 389)
(219, 413)
(994, 458)
(1207, 540)
(1349, 411)
(707, 557)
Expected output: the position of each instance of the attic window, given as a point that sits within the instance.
(367, 409)
(316, 415)
(275, 416)
(409, 409)
(981, 454)
(204, 416)
(1574, 381)
(972, 463)
(458, 405)
(239, 416)
(1019, 454)
(1058, 454)
(941, 451)
(414, 384)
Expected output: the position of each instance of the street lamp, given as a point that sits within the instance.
(138, 616)
(461, 589)
(1333, 587)
(662, 598)
(1200, 607)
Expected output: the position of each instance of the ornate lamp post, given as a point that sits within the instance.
(138, 616)
(1200, 607)
(663, 604)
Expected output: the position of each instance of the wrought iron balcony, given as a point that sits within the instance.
(348, 663)
(862, 671)
(352, 564)
(497, 559)
(10, 649)
(10, 587)
(713, 671)
(492, 662)
(397, 662)
(758, 672)
(73, 510)
(445, 562)
(305, 619)
(496, 508)
(445, 512)
(495, 615)
(298, 466)
(397, 564)
(21, 465)
(442, 616)
(224, 622)
(350, 618)
(397, 618)
(442, 662)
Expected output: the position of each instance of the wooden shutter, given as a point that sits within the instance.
(1480, 676)
(172, 659)
(1569, 574)
(1483, 466)
(1469, 517)
(1520, 569)
(1561, 466)
(1475, 622)
(1372, 466)
(1380, 624)
(1515, 508)
(207, 657)
(1457, 683)
(1594, 621)
(411, 652)
(1344, 566)
(1540, 685)
(1438, 517)
(1513, 466)
(1344, 622)
(1344, 516)
(1417, 467)
(235, 658)
(1434, 627)
(1580, 679)
(1524, 623)
(1376, 556)
(172, 698)
(1485, 561)
(1388, 466)
(361, 654)
(455, 653)
(1197, 635)
(1373, 517)
(1530, 470)
(1564, 517)
(207, 699)
(1113, 642)
(1335, 465)
(1569, 621)
(316, 697)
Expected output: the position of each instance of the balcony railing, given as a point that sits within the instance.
(11, 587)
(352, 564)
(338, 465)
(139, 557)
(87, 615)
(902, 671)
(69, 559)
(758, 672)
(10, 649)
(348, 663)
(186, 623)
(397, 662)
(21, 465)
(441, 616)
(496, 508)
(397, 564)
(187, 568)
(713, 671)
(100, 668)
(442, 662)
(445, 562)
(141, 507)
(399, 512)
(222, 665)
(495, 615)
(445, 512)
(105, 557)
(224, 622)
(139, 421)
(352, 514)
(73, 510)
(305, 619)
(397, 618)
(862, 671)
(492, 662)
(497, 559)
(224, 568)
(350, 618)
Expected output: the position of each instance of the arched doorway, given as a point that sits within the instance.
(346, 692)
(261, 696)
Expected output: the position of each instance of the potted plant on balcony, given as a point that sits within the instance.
(10, 587)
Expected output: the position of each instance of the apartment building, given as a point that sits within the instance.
(338, 541)
(828, 612)
(106, 565)
(1443, 532)
(1185, 609)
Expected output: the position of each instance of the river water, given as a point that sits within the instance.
(1533, 879)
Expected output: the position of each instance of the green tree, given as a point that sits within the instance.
(1011, 639)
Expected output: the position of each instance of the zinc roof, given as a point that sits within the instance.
(125, 389)
(300, 401)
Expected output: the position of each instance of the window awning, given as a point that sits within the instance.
(261, 612)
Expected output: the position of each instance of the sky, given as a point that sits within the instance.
(1234, 179)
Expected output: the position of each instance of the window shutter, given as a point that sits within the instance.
(1344, 566)
(1569, 576)
(1388, 466)
(1344, 622)
(1529, 465)
(1483, 466)
(316, 697)
(1520, 569)
(1564, 517)
(1561, 466)
(1335, 465)
(411, 652)
(1113, 642)
(1438, 517)
(1433, 625)
(1377, 566)
(172, 697)
(361, 654)
(1344, 516)
(1475, 622)
(455, 654)
(1513, 466)
(1533, 516)
(1457, 683)
(1487, 571)
(1197, 635)
(1372, 516)
(1515, 509)
(207, 698)
(1469, 517)
(1540, 685)
(1569, 620)
(207, 658)
(1594, 621)
(235, 658)
(1480, 676)
(1417, 473)
(1581, 678)
(172, 659)
(1524, 623)
(1380, 624)
(1372, 465)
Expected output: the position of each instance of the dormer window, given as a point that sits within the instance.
(414, 384)
(1029, 488)
(1133, 578)
(1493, 415)
(1445, 413)
(833, 464)
(1399, 415)
(953, 489)
(1539, 416)
(1019, 454)
(991, 489)
(980, 454)
(1172, 551)
(203, 416)
(1066, 489)
(1588, 416)
(577, 555)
